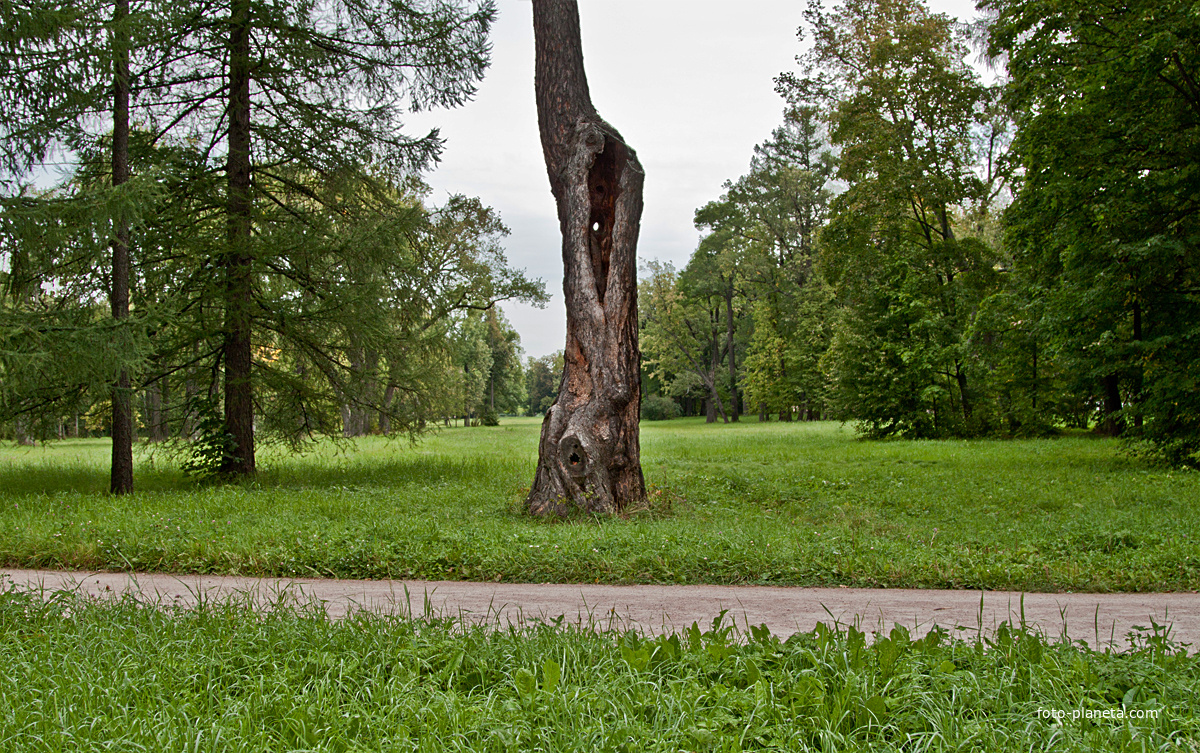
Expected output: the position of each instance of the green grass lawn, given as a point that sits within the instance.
(803, 504)
(81, 677)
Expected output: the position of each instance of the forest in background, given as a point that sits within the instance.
(927, 255)
(913, 250)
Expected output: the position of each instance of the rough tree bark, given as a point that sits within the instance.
(239, 398)
(589, 455)
(121, 475)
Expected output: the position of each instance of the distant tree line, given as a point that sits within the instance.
(927, 255)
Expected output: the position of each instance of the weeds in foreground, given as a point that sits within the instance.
(88, 676)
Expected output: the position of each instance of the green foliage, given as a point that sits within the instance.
(473, 358)
(208, 451)
(775, 503)
(347, 284)
(1104, 223)
(903, 108)
(334, 351)
(659, 408)
(542, 377)
(777, 209)
(131, 675)
(681, 320)
(506, 380)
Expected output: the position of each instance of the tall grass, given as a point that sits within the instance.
(81, 676)
(744, 503)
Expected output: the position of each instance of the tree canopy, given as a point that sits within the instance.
(927, 255)
(288, 277)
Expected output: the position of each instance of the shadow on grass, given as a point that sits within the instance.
(52, 476)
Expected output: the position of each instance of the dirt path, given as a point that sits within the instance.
(1093, 618)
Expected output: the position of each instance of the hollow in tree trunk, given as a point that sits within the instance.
(588, 455)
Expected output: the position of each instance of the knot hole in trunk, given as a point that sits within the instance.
(574, 457)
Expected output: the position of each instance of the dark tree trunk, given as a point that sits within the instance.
(164, 422)
(358, 395)
(1112, 424)
(190, 424)
(589, 453)
(385, 415)
(714, 394)
(156, 415)
(239, 398)
(960, 377)
(121, 476)
(733, 392)
(1138, 373)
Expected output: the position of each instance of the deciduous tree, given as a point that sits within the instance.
(1106, 220)
(903, 107)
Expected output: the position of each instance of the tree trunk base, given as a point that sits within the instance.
(588, 461)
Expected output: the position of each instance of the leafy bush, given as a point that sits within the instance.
(211, 446)
(659, 408)
(489, 417)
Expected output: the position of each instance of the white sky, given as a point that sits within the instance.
(688, 83)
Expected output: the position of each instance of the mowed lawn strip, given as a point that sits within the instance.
(776, 503)
(84, 676)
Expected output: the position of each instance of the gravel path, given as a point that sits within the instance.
(1096, 619)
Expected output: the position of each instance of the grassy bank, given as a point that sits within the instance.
(90, 677)
(744, 503)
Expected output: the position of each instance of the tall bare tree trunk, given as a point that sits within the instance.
(960, 377)
(589, 454)
(713, 370)
(23, 437)
(733, 390)
(239, 398)
(156, 414)
(385, 416)
(121, 476)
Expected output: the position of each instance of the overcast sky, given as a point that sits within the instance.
(688, 83)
